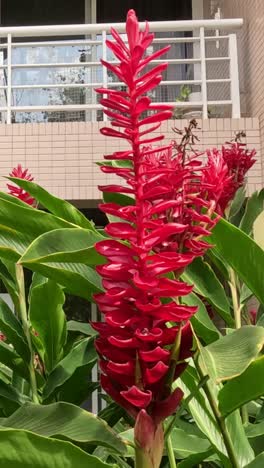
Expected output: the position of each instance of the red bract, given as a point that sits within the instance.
(158, 235)
(225, 173)
(18, 192)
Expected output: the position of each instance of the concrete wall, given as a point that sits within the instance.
(62, 156)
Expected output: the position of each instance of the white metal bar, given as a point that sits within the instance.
(158, 40)
(110, 85)
(86, 29)
(217, 59)
(203, 74)
(56, 43)
(59, 85)
(235, 96)
(96, 64)
(104, 56)
(216, 38)
(9, 79)
(219, 80)
(57, 65)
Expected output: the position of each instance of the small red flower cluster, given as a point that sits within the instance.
(225, 173)
(158, 235)
(18, 192)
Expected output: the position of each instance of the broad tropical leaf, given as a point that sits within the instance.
(241, 346)
(83, 354)
(56, 206)
(202, 324)
(243, 255)
(12, 329)
(244, 388)
(64, 245)
(23, 449)
(80, 327)
(29, 220)
(48, 319)
(206, 284)
(65, 421)
(258, 462)
(78, 279)
(254, 207)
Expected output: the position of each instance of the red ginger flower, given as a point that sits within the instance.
(18, 192)
(160, 234)
(225, 173)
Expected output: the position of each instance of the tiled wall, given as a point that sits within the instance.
(62, 156)
(251, 53)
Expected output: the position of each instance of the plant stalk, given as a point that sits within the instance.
(170, 453)
(219, 420)
(235, 298)
(26, 328)
(238, 322)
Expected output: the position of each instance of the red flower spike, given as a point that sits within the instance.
(225, 173)
(18, 192)
(161, 233)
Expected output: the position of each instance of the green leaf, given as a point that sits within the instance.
(258, 462)
(237, 202)
(12, 329)
(241, 346)
(82, 385)
(56, 206)
(13, 243)
(9, 283)
(195, 459)
(200, 409)
(185, 444)
(83, 354)
(79, 279)
(241, 390)
(243, 255)
(29, 220)
(63, 420)
(23, 449)
(10, 393)
(245, 293)
(202, 324)
(66, 246)
(80, 327)
(112, 413)
(206, 284)
(12, 360)
(253, 208)
(118, 198)
(204, 418)
(48, 319)
(255, 430)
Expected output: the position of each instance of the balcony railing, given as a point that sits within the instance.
(48, 73)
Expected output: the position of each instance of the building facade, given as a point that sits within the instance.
(50, 62)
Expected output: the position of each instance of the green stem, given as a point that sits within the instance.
(219, 419)
(235, 298)
(26, 328)
(238, 322)
(170, 453)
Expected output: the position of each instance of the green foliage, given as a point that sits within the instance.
(48, 320)
(246, 387)
(83, 354)
(63, 420)
(241, 346)
(221, 381)
(23, 449)
(242, 254)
